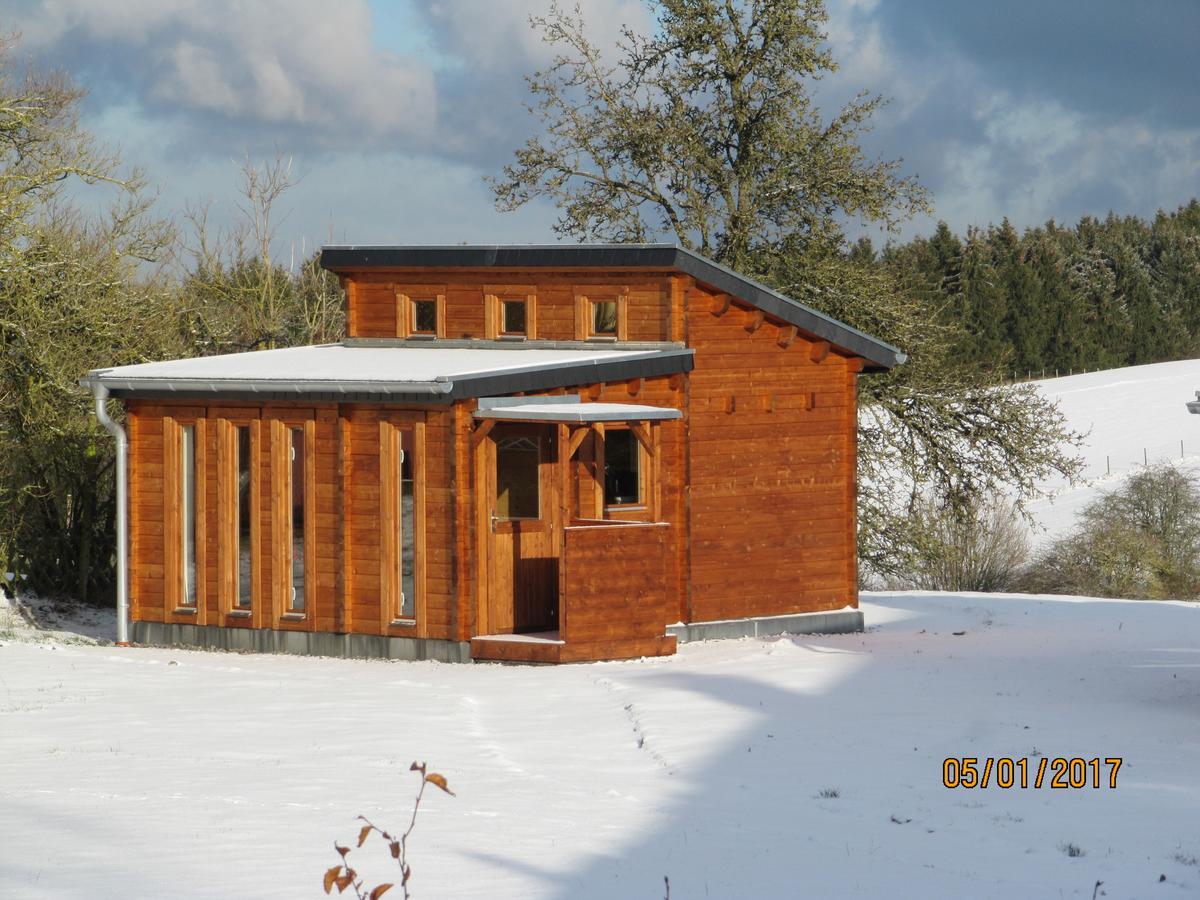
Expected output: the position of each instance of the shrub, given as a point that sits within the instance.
(1140, 541)
(979, 547)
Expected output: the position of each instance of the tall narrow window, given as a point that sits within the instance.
(296, 601)
(407, 556)
(517, 477)
(622, 468)
(245, 588)
(187, 481)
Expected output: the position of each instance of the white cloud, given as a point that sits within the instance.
(496, 34)
(305, 63)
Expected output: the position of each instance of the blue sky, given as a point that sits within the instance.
(394, 112)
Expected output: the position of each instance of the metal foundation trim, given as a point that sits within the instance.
(839, 621)
(303, 643)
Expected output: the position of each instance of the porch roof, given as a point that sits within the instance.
(419, 374)
(570, 410)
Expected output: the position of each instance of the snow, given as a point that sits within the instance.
(334, 366)
(795, 766)
(1131, 416)
(140, 772)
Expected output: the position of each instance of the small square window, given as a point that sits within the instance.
(424, 317)
(512, 316)
(604, 318)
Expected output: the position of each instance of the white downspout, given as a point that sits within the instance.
(101, 393)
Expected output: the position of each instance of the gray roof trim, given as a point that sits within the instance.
(544, 376)
(579, 413)
(658, 256)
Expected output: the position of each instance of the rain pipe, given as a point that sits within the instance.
(118, 433)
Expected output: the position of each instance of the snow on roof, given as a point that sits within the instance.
(580, 412)
(428, 372)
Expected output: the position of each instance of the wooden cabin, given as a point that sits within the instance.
(543, 454)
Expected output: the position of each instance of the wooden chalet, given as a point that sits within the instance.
(543, 454)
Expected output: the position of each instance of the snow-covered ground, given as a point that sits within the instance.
(794, 767)
(1131, 416)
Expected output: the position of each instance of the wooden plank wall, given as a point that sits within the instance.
(375, 306)
(613, 584)
(150, 601)
(771, 462)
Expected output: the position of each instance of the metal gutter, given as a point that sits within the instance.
(653, 256)
(101, 395)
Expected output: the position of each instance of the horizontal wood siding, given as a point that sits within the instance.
(147, 513)
(648, 310)
(436, 607)
(771, 468)
(346, 434)
(613, 591)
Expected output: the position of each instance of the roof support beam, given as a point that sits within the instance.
(755, 320)
(482, 430)
(577, 438)
(641, 431)
(720, 305)
(787, 334)
(819, 350)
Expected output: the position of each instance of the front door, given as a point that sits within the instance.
(522, 503)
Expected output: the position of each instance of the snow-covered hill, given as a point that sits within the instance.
(1131, 416)
(796, 767)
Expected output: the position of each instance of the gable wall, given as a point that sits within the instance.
(772, 482)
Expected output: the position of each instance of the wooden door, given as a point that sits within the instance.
(522, 506)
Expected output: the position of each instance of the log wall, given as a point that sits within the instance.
(771, 437)
(376, 311)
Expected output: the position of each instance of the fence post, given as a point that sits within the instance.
(1145, 458)
(1107, 465)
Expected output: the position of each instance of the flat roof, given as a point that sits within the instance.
(425, 374)
(877, 353)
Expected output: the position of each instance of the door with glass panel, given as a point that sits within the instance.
(521, 505)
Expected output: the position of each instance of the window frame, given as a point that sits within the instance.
(391, 610)
(586, 296)
(282, 427)
(643, 470)
(407, 297)
(495, 296)
(174, 528)
(227, 515)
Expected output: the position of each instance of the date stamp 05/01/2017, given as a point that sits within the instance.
(1059, 773)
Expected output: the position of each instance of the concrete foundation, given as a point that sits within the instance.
(266, 640)
(841, 621)
(374, 646)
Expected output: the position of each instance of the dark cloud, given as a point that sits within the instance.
(1112, 58)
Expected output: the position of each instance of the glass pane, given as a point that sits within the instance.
(514, 316)
(604, 317)
(187, 478)
(297, 454)
(517, 494)
(622, 484)
(242, 462)
(424, 317)
(407, 545)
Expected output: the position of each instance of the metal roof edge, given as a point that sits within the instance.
(791, 311)
(628, 365)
